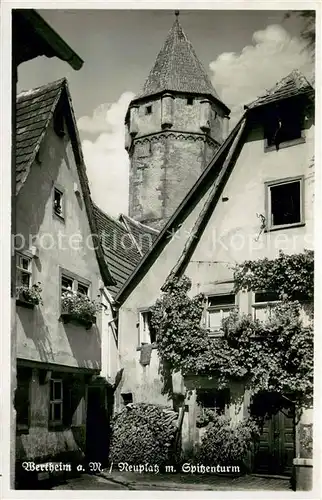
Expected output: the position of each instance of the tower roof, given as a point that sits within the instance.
(178, 69)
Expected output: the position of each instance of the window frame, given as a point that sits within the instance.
(219, 307)
(21, 255)
(76, 280)
(285, 144)
(190, 101)
(25, 374)
(268, 203)
(148, 109)
(52, 402)
(268, 304)
(219, 410)
(143, 338)
(61, 190)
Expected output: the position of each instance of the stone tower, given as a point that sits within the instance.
(173, 128)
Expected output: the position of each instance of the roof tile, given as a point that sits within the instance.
(291, 85)
(120, 246)
(34, 110)
(177, 68)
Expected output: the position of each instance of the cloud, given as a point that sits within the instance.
(106, 159)
(241, 77)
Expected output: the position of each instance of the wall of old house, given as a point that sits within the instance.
(42, 337)
(110, 355)
(232, 235)
(39, 444)
(143, 296)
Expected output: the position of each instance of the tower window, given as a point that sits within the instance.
(148, 110)
(190, 101)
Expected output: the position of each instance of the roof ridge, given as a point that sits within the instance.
(138, 223)
(108, 216)
(24, 93)
(126, 223)
(295, 77)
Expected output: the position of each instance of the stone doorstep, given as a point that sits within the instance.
(303, 462)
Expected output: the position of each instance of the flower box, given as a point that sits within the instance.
(74, 318)
(78, 308)
(29, 297)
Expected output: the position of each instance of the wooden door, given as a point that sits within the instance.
(276, 448)
(97, 426)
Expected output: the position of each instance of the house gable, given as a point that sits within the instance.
(36, 110)
(293, 86)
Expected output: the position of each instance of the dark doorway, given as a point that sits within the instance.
(99, 410)
(275, 450)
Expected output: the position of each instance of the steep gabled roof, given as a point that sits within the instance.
(120, 250)
(211, 182)
(124, 242)
(35, 109)
(291, 85)
(178, 69)
(143, 235)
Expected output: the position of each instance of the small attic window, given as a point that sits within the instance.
(283, 127)
(58, 203)
(59, 124)
(190, 101)
(148, 110)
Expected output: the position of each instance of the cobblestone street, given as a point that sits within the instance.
(106, 481)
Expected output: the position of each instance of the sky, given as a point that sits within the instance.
(245, 52)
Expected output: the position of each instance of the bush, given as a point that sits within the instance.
(227, 444)
(142, 434)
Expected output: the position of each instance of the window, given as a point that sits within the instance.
(147, 334)
(82, 289)
(143, 150)
(263, 305)
(284, 203)
(127, 398)
(59, 123)
(69, 283)
(22, 399)
(190, 101)
(66, 284)
(23, 276)
(58, 203)
(148, 110)
(218, 308)
(283, 126)
(56, 402)
(213, 399)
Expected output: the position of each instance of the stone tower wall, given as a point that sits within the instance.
(170, 142)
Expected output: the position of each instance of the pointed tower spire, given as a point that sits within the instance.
(173, 129)
(178, 69)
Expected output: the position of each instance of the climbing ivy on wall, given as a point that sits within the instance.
(291, 276)
(274, 356)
